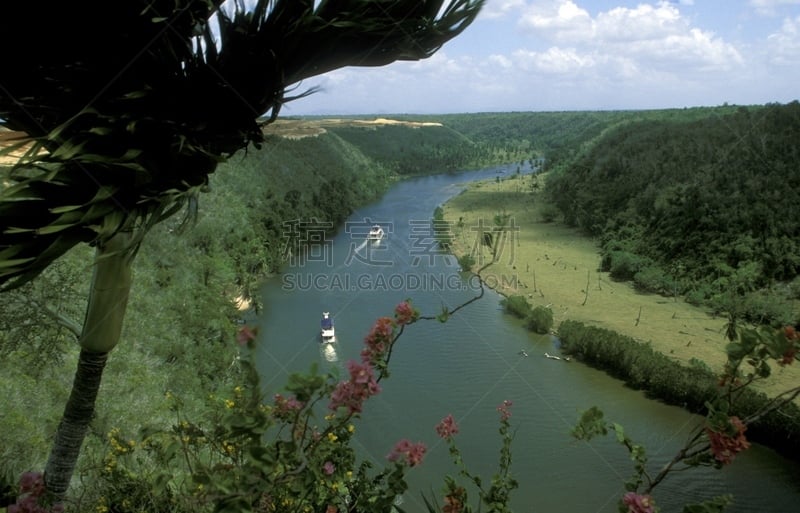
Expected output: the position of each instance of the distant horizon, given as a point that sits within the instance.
(385, 114)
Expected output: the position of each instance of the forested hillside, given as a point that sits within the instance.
(705, 207)
(176, 347)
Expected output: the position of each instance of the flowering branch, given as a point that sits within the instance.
(717, 440)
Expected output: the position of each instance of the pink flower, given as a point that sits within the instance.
(286, 406)
(356, 390)
(447, 427)
(32, 482)
(638, 503)
(404, 313)
(724, 445)
(245, 335)
(505, 410)
(328, 467)
(378, 341)
(405, 450)
(31, 486)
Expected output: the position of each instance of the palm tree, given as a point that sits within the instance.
(130, 105)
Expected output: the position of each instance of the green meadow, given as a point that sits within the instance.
(556, 265)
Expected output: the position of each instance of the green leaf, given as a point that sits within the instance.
(15, 262)
(55, 228)
(66, 208)
(618, 429)
(67, 151)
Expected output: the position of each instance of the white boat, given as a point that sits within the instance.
(375, 233)
(327, 332)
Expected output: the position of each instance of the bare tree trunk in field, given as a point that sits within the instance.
(105, 312)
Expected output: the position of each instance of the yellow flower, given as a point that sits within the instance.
(229, 404)
(238, 390)
(349, 474)
(351, 428)
(332, 437)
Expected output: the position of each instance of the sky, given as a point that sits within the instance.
(555, 55)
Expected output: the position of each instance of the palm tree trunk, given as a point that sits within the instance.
(108, 299)
(74, 423)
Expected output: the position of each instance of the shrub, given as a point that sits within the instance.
(623, 265)
(549, 213)
(540, 320)
(517, 306)
(653, 279)
(466, 262)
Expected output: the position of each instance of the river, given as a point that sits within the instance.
(470, 364)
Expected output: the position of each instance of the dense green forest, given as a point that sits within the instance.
(704, 208)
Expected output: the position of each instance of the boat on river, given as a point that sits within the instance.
(375, 233)
(327, 332)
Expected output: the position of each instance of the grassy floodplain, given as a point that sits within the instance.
(556, 265)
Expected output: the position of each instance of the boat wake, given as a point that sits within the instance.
(362, 245)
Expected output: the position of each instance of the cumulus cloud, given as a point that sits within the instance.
(560, 20)
(643, 23)
(499, 8)
(784, 45)
(554, 60)
(657, 36)
(500, 60)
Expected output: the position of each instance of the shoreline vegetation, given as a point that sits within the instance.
(557, 267)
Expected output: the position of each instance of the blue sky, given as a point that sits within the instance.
(543, 55)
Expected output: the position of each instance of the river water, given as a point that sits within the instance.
(470, 364)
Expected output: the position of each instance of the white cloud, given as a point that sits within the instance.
(500, 60)
(784, 46)
(560, 20)
(554, 60)
(771, 7)
(645, 22)
(499, 8)
(656, 36)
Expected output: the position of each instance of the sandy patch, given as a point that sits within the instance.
(300, 128)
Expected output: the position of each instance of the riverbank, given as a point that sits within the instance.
(552, 264)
